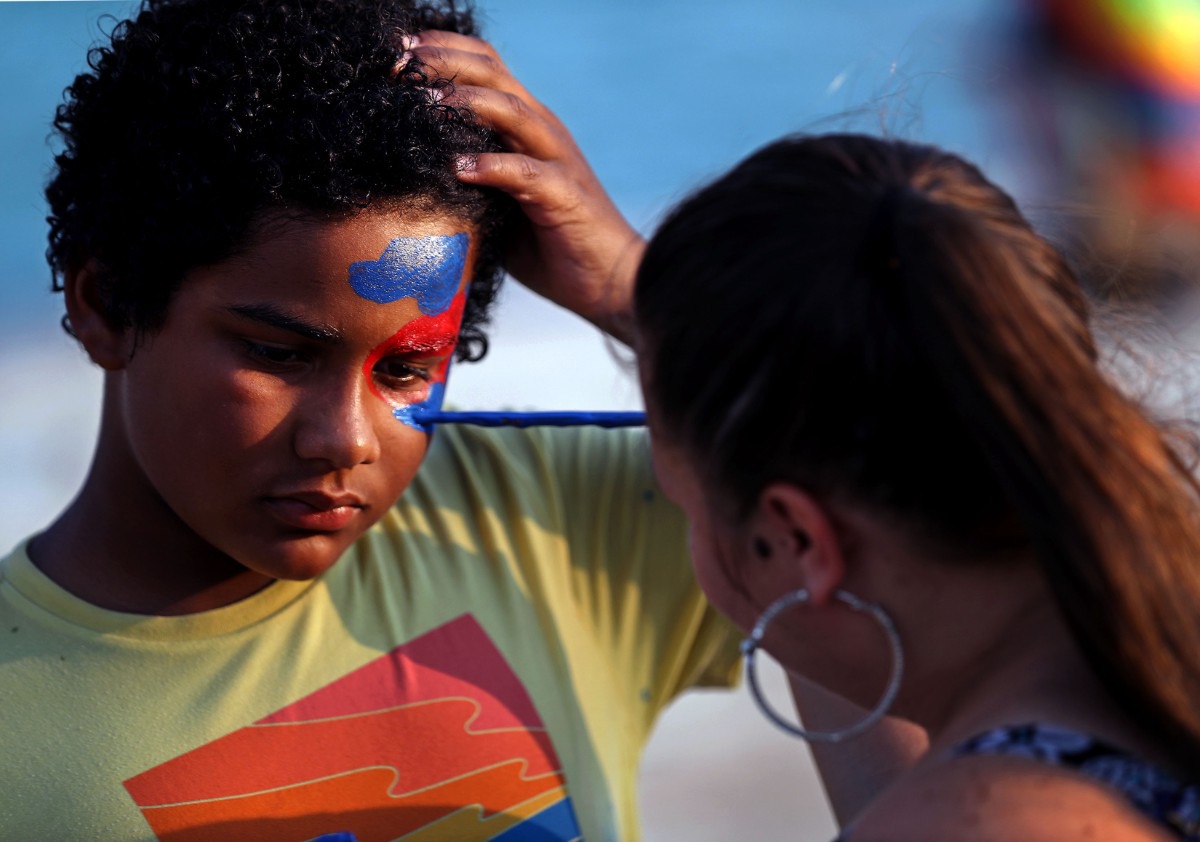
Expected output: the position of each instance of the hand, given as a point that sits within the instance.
(574, 247)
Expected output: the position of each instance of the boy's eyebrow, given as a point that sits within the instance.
(269, 314)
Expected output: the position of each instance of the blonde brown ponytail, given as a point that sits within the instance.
(875, 319)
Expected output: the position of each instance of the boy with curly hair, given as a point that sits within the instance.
(279, 606)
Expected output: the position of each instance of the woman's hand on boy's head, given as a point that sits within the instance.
(575, 248)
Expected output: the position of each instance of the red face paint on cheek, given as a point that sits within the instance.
(423, 336)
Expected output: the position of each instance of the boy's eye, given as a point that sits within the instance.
(398, 374)
(272, 354)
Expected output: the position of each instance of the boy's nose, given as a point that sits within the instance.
(338, 428)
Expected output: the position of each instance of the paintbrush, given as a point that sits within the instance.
(533, 419)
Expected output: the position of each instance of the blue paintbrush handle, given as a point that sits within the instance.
(534, 419)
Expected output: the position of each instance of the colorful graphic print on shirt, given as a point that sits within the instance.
(436, 740)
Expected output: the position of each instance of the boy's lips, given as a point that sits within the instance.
(315, 511)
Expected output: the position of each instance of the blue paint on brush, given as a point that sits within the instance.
(415, 415)
(429, 269)
(532, 419)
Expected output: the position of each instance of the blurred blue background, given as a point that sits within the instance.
(661, 95)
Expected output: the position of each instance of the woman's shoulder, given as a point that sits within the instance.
(1002, 799)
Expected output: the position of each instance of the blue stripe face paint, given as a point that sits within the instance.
(421, 337)
(428, 269)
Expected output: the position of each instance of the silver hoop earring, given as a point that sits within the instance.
(752, 643)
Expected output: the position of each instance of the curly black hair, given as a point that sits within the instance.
(201, 116)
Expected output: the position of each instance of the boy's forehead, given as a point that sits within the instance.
(382, 250)
(405, 260)
(371, 223)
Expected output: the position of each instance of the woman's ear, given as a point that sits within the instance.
(107, 344)
(796, 532)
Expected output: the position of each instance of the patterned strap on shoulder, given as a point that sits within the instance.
(1152, 790)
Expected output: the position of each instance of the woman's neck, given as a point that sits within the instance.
(1033, 672)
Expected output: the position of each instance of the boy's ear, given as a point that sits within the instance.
(804, 544)
(107, 344)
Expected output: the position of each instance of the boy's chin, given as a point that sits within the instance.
(300, 559)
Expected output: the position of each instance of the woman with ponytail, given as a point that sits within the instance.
(872, 387)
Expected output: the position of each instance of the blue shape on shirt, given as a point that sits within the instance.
(429, 269)
(556, 823)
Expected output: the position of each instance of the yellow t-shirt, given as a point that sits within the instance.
(485, 663)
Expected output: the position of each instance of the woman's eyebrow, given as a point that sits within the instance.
(271, 315)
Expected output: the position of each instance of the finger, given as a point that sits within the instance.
(477, 70)
(521, 127)
(452, 41)
(540, 187)
(468, 67)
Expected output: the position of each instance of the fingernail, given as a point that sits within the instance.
(412, 41)
(464, 163)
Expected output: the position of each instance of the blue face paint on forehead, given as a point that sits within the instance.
(429, 269)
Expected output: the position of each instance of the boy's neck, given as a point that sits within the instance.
(96, 566)
(123, 549)
(89, 571)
